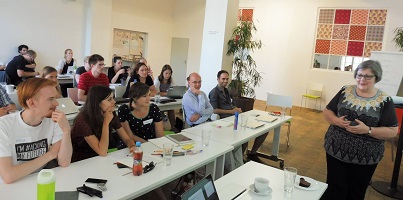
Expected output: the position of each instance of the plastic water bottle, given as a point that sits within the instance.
(45, 184)
(137, 157)
(236, 121)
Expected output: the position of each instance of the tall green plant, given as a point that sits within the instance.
(398, 39)
(245, 76)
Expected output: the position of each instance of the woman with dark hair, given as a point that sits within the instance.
(141, 119)
(97, 128)
(361, 117)
(140, 74)
(50, 73)
(116, 72)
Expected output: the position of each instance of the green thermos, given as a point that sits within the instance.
(46, 182)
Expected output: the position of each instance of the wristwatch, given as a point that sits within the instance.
(369, 131)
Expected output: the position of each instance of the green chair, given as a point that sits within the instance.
(314, 92)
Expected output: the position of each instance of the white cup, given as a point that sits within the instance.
(261, 185)
(10, 88)
(290, 174)
(206, 137)
(167, 150)
(157, 98)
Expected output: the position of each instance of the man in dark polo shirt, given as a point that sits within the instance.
(92, 77)
(17, 69)
(223, 105)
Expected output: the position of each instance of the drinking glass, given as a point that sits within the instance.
(168, 150)
(206, 137)
(290, 173)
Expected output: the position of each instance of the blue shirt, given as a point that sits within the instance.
(196, 104)
(4, 98)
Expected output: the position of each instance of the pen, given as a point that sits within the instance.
(239, 194)
(130, 154)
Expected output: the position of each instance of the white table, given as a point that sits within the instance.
(233, 183)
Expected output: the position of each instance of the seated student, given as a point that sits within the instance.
(29, 139)
(66, 62)
(50, 73)
(17, 70)
(140, 74)
(81, 70)
(141, 119)
(97, 128)
(6, 105)
(92, 77)
(22, 49)
(116, 73)
(162, 84)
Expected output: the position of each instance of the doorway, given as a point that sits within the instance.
(179, 57)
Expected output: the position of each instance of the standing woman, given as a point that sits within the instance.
(140, 74)
(67, 61)
(97, 128)
(162, 84)
(141, 119)
(116, 72)
(50, 73)
(361, 117)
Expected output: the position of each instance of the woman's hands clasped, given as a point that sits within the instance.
(359, 128)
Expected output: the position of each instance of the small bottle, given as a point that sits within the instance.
(45, 184)
(236, 121)
(137, 157)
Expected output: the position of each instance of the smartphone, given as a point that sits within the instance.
(95, 180)
(90, 191)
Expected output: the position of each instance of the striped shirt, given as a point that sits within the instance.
(4, 98)
(87, 80)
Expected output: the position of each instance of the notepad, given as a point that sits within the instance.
(254, 124)
(159, 142)
(266, 118)
(180, 139)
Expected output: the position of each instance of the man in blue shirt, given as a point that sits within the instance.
(6, 105)
(196, 105)
(223, 105)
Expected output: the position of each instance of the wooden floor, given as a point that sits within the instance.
(306, 151)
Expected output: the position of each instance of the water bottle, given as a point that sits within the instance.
(236, 121)
(137, 157)
(45, 184)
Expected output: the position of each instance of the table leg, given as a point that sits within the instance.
(276, 141)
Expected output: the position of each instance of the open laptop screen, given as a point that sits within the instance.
(203, 190)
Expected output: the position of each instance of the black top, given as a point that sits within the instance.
(112, 73)
(18, 63)
(221, 99)
(79, 71)
(135, 79)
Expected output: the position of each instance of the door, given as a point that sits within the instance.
(179, 57)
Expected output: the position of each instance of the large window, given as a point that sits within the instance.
(345, 37)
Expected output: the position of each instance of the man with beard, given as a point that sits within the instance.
(38, 134)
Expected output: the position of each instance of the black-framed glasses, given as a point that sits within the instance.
(366, 77)
(149, 167)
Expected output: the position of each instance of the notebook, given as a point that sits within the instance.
(159, 142)
(176, 92)
(204, 189)
(254, 124)
(67, 106)
(266, 118)
(180, 139)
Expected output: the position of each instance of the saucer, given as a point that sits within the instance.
(252, 189)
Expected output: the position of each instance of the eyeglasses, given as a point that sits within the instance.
(366, 77)
(149, 167)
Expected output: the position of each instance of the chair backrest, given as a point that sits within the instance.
(315, 88)
(73, 94)
(279, 100)
(119, 91)
(185, 124)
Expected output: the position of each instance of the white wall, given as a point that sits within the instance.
(287, 30)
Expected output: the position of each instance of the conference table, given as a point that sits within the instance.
(121, 182)
(243, 177)
(221, 132)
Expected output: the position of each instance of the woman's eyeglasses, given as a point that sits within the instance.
(149, 167)
(366, 77)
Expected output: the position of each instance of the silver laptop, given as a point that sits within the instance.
(67, 106)
(70, 70)
(176, 92)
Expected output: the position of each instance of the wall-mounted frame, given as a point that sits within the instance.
(130, 45)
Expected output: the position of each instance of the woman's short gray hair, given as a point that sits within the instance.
(373, 65)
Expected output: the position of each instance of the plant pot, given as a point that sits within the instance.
(244, 103)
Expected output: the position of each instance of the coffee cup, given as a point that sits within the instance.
(10, 88)
(261, 185)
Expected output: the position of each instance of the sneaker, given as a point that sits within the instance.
(255, 158)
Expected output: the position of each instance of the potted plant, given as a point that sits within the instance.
(398, 39)
(244, 74)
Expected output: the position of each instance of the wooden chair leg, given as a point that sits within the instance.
(288, 135)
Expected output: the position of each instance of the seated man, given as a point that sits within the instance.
(22, 49)
(17, 68)
(43, 133)
(196, 106)
(223, 105)
(6, 105)
(92, 77)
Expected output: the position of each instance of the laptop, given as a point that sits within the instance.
(176, 92)
(67, 106)
(70, 70)
(204, 189)
(121, 100)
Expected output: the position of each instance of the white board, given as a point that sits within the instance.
(392, 67)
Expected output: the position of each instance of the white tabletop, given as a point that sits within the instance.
(233, 183)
